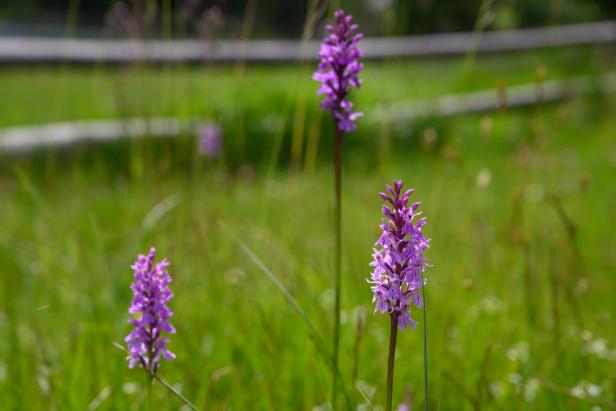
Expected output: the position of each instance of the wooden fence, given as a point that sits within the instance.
(24, 139)
(31, 50)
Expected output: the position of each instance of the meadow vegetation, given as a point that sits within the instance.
(520, 212)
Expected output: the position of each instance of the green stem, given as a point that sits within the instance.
(393, 335)
(148, 400)
(337, 252)
(176, 393)
(425, 343)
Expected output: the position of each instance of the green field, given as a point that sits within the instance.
(520, 301)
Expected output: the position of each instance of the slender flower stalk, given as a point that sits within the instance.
(146, 344)
(398, 266)
(391, 355)
(425, 346)
(337, 74)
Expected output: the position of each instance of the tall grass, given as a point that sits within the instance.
(72, 220)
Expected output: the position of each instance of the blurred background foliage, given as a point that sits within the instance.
(283, 18)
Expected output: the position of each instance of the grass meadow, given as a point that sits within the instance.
(520, 202)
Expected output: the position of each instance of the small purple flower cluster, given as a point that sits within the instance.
(150, 313)
(210, 140)
(398, 256)
(338, 70)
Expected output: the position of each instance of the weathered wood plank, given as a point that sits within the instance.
(31, 50)
(24, 139)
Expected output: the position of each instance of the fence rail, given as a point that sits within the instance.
(32, 50)
(23, 139)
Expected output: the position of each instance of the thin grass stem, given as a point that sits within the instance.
(176, 393)
(319, 341)
(363, 394)
(425, 344)
(152, 376)
(272, 277)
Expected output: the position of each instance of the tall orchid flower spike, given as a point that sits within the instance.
(398, 266)
(146, 343)
(338, 70)
(399, 256)
(338, 74)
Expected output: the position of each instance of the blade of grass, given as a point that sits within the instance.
(98, 400)
(363, 394)
(272, 277)
(176, 393)
(163, 383)
(320, 342)
(160, 210)
(481, 23)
